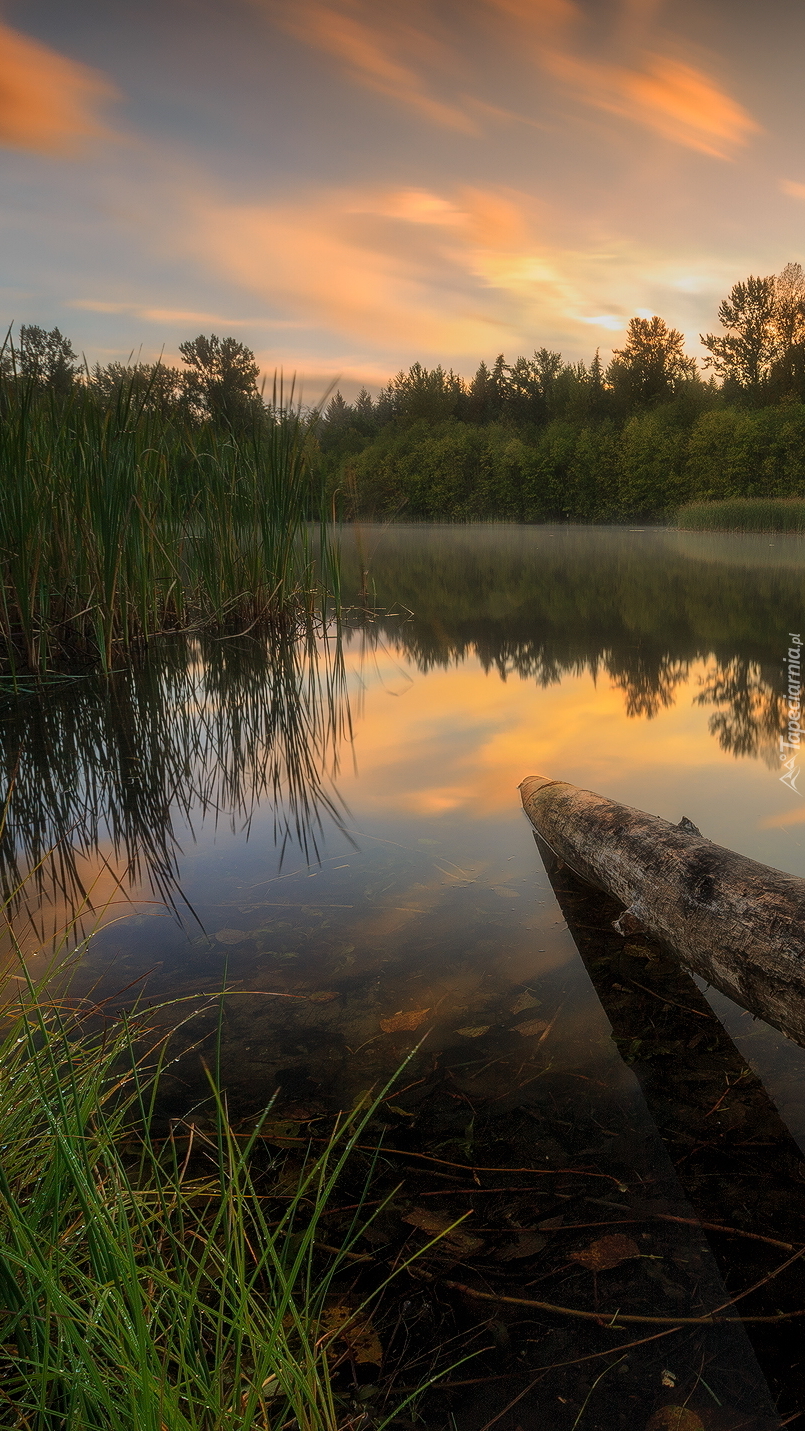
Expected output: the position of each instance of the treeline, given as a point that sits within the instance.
(218, 383)
(540, 439)
(537, 439)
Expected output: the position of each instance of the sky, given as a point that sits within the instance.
(350, 186)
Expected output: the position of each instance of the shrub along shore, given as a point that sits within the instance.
(641, 468)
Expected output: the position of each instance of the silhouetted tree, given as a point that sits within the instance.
(524, 400)
(652, 365)
(788, 368)
(487, 392)
(744, 354)
(432, 394)
(47, 358)
(338, 413)
(364, 414)
(152, 387)
(547, 368)
(480, 405)
(222, 381)
(387, 405)
(363, 405)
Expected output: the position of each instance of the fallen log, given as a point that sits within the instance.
(737, 923)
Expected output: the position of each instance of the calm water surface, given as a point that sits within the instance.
(344, 829)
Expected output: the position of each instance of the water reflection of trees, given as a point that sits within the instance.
(212, 729)
(209, 729)
(750, 707)
(637, 608)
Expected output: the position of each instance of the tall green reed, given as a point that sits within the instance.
(118, 523)
(744, 514)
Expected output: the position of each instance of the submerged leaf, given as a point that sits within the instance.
(454, 1240)
(607, 1252)
(474, 1032)
(523, 1001)
(280, 1128)
(675, 1418)
(232, 936)
(346, 1323)
(534, 1026)
(410, 1020)
(526, 1244)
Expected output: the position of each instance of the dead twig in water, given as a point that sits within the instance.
(615, 1318)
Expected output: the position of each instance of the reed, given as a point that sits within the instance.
(162, 1283)
(118, 524)
(744, 514)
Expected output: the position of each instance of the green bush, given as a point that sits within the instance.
(577, 471)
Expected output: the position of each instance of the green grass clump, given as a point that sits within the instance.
(161, 1283)
(744, 514)
(119, 523)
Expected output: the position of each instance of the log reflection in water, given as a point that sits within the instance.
(732, 1154)
(111, 769)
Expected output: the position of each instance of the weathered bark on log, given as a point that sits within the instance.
(737, 923)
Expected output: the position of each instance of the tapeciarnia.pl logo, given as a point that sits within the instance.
(791, 741)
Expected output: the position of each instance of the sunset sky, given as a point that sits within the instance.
(352, 185)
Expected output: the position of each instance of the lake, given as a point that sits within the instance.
(334, 831)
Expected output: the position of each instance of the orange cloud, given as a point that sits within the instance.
(662, 93)
(372, 49)
(676, 100)
(47, 102)
(417, 273)
(411, 264)
(178, 315)
(639, 82)
(540, 17)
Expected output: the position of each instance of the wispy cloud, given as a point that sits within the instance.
(632, 67)
(345, 259)
(178, 315)
(643, 79)
(676, 100)
(451, 275)
(48, 103)
(380, 47)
